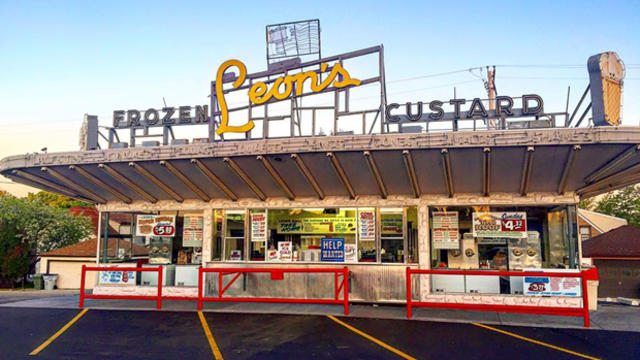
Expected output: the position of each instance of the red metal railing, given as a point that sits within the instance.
(276, 274)
(583, 312)
(83, 296)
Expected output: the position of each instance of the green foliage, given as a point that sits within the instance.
(624, 203)
(587, 204)
(56, 200)
(28, 227)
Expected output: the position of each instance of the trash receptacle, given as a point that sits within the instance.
(50, 281)
(37, 282)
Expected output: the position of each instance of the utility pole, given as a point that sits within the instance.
(491, 90)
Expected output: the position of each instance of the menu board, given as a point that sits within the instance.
(367, 225)
(500, 224)
(551, 286)
(117, 277)
(285, 251)
(317, 226)
(258, 227)
(392, 224)
(445, 233)
(192, 231)
(156, 225)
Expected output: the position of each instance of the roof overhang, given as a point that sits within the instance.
(586, 161)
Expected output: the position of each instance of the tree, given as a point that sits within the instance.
(624, 203)
(56, 200)
(29, 227)
(587, 204)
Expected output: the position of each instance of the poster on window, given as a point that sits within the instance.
(500, 224)
(285, 251)
(551, 286)
(192, 231)
(392, 224)
(117, 278)
(350, 253)
(235, 255)
(332, 249)
(156, 225)
(317, 226)
(259, 227)
(367, 225)
(445, 233)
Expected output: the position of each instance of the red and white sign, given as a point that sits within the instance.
(156, 225)
(446, 233)
(285, 251)
(500, 224)
(367, 225)
(259, 226)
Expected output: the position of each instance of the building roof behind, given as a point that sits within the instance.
(87, 248)
(622, 242)
(602, 222)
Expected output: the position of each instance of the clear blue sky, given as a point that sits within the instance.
(59, 60)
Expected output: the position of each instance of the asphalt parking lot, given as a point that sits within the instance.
(102, 334)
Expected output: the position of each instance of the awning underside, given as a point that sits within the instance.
(588, 169)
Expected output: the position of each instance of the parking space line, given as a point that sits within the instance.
(58, 333)
(536, 341)
(212, 342)
(371, 338)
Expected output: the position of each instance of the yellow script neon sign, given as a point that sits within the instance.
(260, 93)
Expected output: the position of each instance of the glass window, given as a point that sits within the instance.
(392, 235)
(234, 234)
(500, 238)
(172, 239)
(216, 244)
(258, 231)
(412, 235)
(297, 235)
(585, 232)
(367, 239)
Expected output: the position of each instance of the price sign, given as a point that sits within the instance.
(164, 230)
(514, 225)
(510, 224)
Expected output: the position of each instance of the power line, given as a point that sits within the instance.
(434, 75)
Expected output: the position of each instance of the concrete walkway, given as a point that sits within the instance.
(608, 316)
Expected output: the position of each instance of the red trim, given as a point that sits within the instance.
(343, 286)
(590, 274)
(158, 297)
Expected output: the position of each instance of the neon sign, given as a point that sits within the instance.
(260, 93)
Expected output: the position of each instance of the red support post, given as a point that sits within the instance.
(408, 293)
(159, 287)
(335, 285)
(82, 277)
(346, 290)
(220, 284)
(585, 301)
(200, 288)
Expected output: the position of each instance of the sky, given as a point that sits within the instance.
(60, 60)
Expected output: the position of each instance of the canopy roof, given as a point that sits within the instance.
(588, 161)
(622, 242)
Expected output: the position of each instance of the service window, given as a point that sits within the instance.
(234, 224)
(392, 235)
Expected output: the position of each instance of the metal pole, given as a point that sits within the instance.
(159, 306)
(82, 277)
(346, 290)
(200, 288)
(408, 292)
